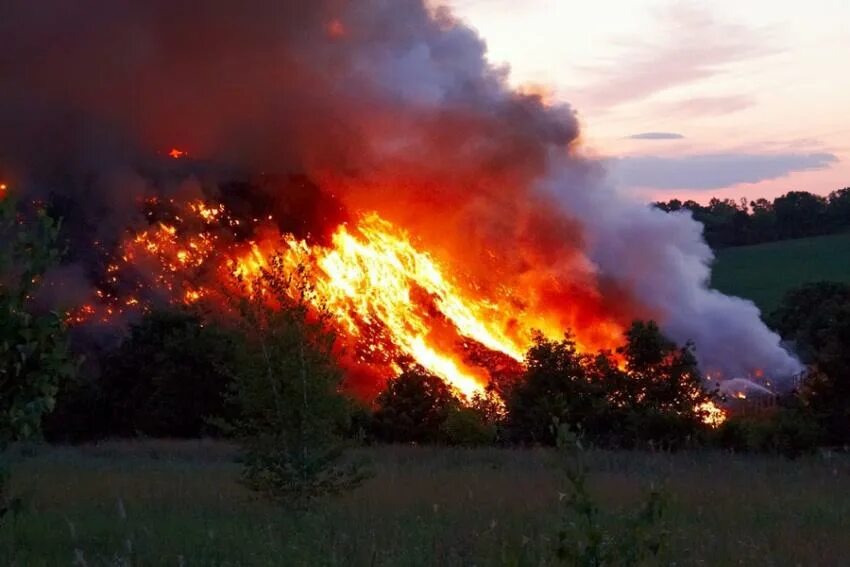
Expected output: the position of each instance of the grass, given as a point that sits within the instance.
(178, 503)
(764, 272)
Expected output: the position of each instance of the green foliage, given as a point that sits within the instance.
(286, 384)
(168, 378)
(796, 214)
(34, 351)
(654, 399)
(469, 425)
(816, 318)
(790, 432)
(557, 385)
(588, 537)
(413, 408)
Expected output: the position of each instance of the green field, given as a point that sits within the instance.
(170, 503)
(764, 272)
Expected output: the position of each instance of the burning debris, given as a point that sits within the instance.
(441, 214)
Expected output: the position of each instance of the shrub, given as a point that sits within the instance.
(588, 536)
(287, 387)
(649, 393)
(468, 426)
(34, 351)
(413, 408)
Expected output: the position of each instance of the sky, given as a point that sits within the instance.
(688, 99)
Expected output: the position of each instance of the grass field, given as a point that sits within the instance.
(764, 272)
(170, 503)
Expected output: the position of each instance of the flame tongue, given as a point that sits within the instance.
(377, 275)
(389, 298)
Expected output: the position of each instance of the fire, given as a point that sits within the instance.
(335, 29)
(177, 153)
(374, 274)
(713, 416)
(388, 297)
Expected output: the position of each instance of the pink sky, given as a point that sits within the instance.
(690, 99)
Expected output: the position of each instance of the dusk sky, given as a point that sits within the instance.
(726, 98)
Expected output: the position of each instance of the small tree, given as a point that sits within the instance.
(287, 386)
(167, 379)
(34, 351)
(413, 408)
(590, 537)
(662, 388)
(556, 386)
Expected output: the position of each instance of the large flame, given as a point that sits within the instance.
(371, 275)
(388, 297)
(390, 300)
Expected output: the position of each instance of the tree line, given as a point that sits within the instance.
(796, 214)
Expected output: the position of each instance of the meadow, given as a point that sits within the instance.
(764, 272)
(179, 503)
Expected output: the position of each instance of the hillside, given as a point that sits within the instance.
(764, 272)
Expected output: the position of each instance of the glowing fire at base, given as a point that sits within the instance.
(372, 276)
(388, 299)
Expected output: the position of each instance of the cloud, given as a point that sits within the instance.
(712, 171)
(695, 46)
(710, 105)
(656, 136)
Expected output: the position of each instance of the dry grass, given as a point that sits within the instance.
(178, 503)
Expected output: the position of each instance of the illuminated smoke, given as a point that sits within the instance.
(332, 109)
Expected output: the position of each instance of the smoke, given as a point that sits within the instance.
(385, 105)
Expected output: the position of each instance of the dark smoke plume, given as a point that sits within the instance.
(339, 106)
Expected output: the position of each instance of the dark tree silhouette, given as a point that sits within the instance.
(413, 408)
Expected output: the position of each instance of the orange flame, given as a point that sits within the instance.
(389, 298)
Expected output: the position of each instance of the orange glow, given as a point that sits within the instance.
(389, 298)
(335, 29)
(713, 416)
(177, 153)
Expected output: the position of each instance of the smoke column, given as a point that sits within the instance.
(387, 105)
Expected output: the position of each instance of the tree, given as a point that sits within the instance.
(816, 317)
(807, 313)
(287, 387)
(800, 214)
(556, 386)
(34, 350)
(663, 389)
(649, 391)
(839, 209)
(413, 408)
(167, 379)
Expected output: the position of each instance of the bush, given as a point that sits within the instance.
(287, 387)
(34, 351)
(789, 432)
(413, 408)
(468, 426)
(588, 536)
(166, 379)
(655, 399)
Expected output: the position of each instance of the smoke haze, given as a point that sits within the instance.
(385, 105)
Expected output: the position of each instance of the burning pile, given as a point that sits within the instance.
(388, 298)
(443, 215)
